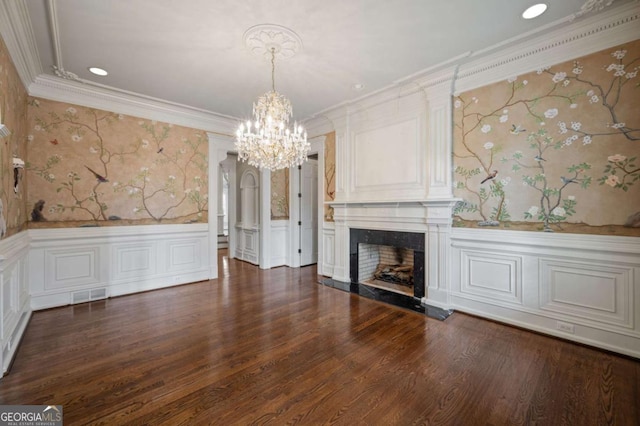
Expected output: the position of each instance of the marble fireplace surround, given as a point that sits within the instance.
(429, 221)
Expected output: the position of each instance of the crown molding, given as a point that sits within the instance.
(575, 39)
(18, 35)
(556, 42)
(553, 43)
(129, 103)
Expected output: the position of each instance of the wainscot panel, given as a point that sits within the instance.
(82, 264)
(328, 248)
(579, 287)
(15, 309)
(279, 238)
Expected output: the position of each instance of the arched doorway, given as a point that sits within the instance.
(248, 226)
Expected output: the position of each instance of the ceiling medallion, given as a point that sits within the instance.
(266, 141)
(262, 39)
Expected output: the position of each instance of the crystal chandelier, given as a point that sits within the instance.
(267, 142)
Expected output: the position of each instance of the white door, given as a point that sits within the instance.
(309, 213)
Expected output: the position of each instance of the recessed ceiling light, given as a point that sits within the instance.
(98, 71)
(534, 11)
(358, 86)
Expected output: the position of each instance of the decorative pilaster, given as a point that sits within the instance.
(440, 134)
(438, 261)
(218, 148)
(341, 266)
(265, 219)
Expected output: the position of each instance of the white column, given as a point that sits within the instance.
(440, 135)
(341, 268)
(317, 146)
(438, 259)
(218, 147)
(264, 259)
(229, 165)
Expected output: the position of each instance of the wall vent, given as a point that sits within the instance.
(98, 293)
(88, 295)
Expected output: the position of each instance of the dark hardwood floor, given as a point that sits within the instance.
(274, 347)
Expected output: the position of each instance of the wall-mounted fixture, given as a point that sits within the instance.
(18, 164)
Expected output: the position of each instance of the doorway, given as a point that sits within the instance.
(308, 214)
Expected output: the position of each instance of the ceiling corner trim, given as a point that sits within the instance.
(61, 90)
(18, 35)
(607, 29)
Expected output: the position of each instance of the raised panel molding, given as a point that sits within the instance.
(493, 276)
(14, 295)
(279, 238)
(328, 249)
(248, 244)
(388, 157)
(590, 291)
(66, 264)
(182, 254)
(578, 287)
(134, 260)
(71, 267)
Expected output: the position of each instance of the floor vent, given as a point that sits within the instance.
(88, 295)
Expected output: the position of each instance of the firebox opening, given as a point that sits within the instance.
(387, 267)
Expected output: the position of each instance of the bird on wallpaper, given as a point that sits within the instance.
(516, 130)
(100, 178)
(36, 213)
(567, 181)
(160, 150)
(54, 142)
(539, 158)
(490, 176)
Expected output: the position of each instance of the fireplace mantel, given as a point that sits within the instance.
(399, 215)
(433, 218)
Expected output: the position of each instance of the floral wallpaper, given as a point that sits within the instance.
(329, 174)
(280, 194)
(555, 150)
(89, 167)
(13, 114)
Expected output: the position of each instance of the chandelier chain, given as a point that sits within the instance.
(273, 69)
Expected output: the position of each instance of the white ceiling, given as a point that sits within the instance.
(191, 52)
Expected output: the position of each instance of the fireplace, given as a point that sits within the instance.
(404, 230)
(389, 260)
(387, 267)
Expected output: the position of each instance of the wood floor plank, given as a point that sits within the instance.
(275, 347)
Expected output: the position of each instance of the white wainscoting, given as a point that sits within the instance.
(248, 243)
(15, 309)
(584, 288)
(82, 264)
(279, 239)
(328, 248)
